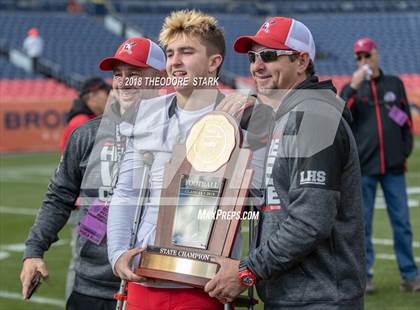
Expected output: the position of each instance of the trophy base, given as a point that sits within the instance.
(178, 269)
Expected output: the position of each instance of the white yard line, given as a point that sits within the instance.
(20, 247)
(7, 249)
(25, 180)
(27, 174)
(380, 203)
(391, 242)
(413, 190)
(384, 256)
(35, 299)
(36, 170)
(18, 211)
(4, 255)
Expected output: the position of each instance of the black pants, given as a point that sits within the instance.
(78, 301)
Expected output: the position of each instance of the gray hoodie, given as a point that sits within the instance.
(90, 155)
(310, 248)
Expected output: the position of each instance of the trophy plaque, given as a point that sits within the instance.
(204, 190)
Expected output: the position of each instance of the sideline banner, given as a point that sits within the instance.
(32, 125)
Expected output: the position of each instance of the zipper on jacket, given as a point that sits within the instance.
(379, 126)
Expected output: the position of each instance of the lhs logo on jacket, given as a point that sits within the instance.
(312, 177)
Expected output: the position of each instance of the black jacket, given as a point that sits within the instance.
(383, 145)
(310, 246)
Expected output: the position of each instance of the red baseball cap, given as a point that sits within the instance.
(33, 32)
(365, 45)
(280, 33)
(138, 52)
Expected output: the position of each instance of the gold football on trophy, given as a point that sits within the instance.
(210, 142)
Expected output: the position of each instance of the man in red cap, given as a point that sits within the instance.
(383, 130)
(88, 169)
(309, 251)
(134, 60)
(33, 45)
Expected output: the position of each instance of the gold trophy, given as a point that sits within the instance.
(206, 177)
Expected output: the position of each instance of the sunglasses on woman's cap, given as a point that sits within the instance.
(360, 56)
(268, 55)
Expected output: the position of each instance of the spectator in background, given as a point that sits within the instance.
(74, 7)
(90, 104)
(383, 130)
(33, 45)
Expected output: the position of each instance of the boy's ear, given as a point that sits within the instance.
(215, 62)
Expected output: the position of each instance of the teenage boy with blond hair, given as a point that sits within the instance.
(195, 48)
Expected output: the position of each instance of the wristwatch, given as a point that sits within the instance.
(246, 276)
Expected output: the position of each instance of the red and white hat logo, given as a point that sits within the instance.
(138, 52)
(280, 33)
(127, 48)
(266, 26)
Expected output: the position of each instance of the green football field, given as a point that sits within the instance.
(23, 182)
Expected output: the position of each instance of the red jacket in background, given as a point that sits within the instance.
(75, 122)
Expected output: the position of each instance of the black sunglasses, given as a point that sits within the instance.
(360, 56)
(268, 55)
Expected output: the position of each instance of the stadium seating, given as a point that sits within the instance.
(334, 36)
(255, 8)
(76, 43)
(39, 5)
(396, 35)
(28, 90)
(9, 71)
(264, 8)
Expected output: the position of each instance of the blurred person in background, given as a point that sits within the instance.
(33, 45)
(90, 103)
(93, 152)
(73, 7)
(382, 127)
